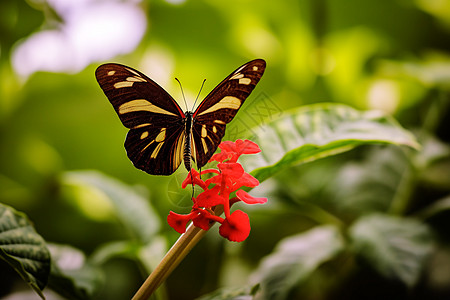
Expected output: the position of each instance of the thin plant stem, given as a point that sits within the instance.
(172, 259)
(405, 190)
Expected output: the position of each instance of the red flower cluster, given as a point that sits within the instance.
(229, 177)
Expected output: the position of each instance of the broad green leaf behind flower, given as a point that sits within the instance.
(295, 258)
(320, 130)
(132, 208)
(396, 247)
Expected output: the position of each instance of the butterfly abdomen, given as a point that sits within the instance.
(187, 141)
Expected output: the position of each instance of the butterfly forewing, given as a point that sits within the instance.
(135, 97)
(156, 122)
(220, 107)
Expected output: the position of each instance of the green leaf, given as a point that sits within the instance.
(439, 206)
(433, 151)
(295, 258)
(149, 255)
(396, 247)
(432, 71)
(23, 248)
(115, 249)
(317, 131)
(132, 209)
(370, 183)
(433, 162)
(71, 276)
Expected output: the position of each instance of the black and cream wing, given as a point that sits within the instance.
(156, 149)
(135, 97)
(155, 141)
(220, 106)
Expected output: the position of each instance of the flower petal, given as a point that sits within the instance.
(201, 221)
(216, 179)
(207, 171)
(228, 146)
(220, 157)
(247, 147)
(236, 227)
(246, 180)
(247, 198)
(234, 170)
(210, 198)
(178, 222)
(194, 177)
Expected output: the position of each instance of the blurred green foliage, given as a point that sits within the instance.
(63, 164)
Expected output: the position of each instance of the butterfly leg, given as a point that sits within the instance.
(192, 182)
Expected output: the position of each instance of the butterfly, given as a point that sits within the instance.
(161, 135)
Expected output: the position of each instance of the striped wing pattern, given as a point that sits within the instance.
(155, 141)
(220, 106)
(157, 137)
(156, 149)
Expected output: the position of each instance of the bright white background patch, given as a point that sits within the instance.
(90, 31)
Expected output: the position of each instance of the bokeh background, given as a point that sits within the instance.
(390, 55)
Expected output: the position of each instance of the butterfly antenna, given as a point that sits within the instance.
(184, 98)
(199, 93)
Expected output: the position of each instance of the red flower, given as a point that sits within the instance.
(178, 222)
(236, 227)
(229, 177)
(245, 197)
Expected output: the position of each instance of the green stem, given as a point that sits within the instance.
(434, 114)
(431, 121)
(319, 215)
(172, 259)
(403, 195)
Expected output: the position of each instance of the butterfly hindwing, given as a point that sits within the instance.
(155, 148)
(220, 106)
(206, 137)
(155, 120)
